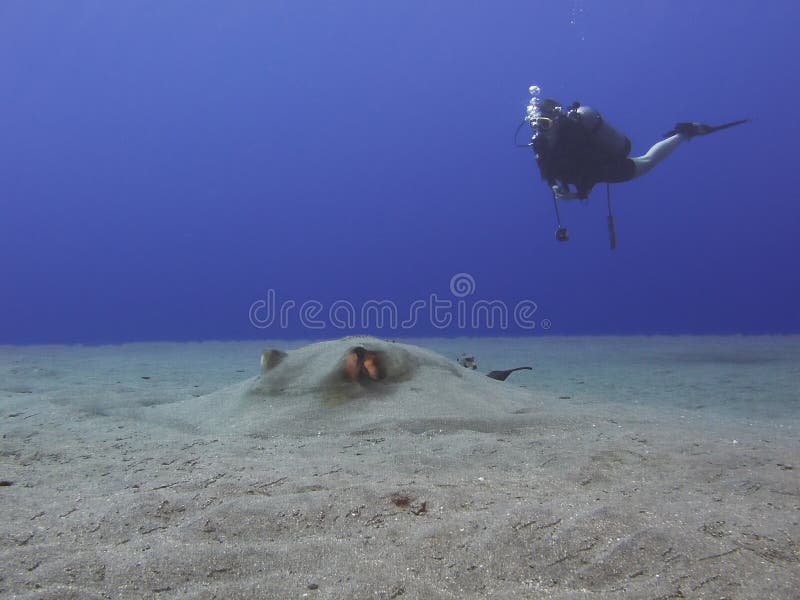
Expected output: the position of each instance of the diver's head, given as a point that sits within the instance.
(545, 115)
(550, 108)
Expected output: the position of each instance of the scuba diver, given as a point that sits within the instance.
(576, 147)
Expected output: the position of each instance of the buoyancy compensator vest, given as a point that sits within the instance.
(572, 146)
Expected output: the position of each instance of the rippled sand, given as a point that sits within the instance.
(618, 467)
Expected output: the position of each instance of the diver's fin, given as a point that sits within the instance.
(712, 129)
(690, 130)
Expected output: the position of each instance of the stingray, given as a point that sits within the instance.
(355, 384)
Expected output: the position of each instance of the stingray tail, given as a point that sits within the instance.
(503, 375)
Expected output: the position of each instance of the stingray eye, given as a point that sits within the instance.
(350, 366)
(271, 358)
(372, 366)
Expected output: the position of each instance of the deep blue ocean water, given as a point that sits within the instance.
(166, 166)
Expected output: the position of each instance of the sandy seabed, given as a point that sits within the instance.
(617, 468)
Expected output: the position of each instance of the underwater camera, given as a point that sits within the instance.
(562, 235)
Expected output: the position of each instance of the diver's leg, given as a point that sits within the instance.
(656, 154)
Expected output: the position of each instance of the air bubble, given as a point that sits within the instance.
(532, 109)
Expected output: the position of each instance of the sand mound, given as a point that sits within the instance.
(355, 383)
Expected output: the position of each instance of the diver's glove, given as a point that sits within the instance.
(690, 130)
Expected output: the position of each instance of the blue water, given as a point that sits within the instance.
(164, 164)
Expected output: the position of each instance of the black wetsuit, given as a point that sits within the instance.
(567, 153)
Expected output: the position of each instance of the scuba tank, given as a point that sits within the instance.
(607, 140)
